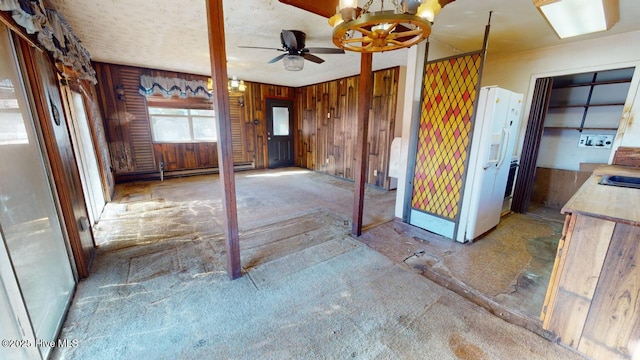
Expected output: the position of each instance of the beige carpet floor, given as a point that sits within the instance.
(158, 288)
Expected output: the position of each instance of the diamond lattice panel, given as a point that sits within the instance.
(444, 135)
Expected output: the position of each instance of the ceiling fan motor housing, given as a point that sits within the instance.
(293, 41)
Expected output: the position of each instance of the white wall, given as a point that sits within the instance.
(518, 72)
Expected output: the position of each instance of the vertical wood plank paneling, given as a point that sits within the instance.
(578, 280)
(327, 126)
(128, 132)
(318, 137)
(614, 317)
(187, 156)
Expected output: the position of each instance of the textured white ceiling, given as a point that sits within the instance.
(172, 35)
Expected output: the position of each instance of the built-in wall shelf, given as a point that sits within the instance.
(584, 105)
(593, 83)
(578, 128)
(588, 101)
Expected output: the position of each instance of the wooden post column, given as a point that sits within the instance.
(217, 52)
(365, 89)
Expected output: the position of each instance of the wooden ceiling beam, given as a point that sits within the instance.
(326, 8)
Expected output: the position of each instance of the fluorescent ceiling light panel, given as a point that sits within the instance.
(578, 17)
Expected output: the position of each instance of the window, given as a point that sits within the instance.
(182, 125)
(12, 128)
(280, 121)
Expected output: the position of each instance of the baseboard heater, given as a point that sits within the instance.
(159, 175)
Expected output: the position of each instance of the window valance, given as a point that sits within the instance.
(53, 33)
(168, 87)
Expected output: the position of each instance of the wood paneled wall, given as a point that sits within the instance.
(187, 156)
(253, 119)
(554, 187)
(325, 126)
(327, 123)
(129, 133)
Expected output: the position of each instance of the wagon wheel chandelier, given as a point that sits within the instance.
(361, 30)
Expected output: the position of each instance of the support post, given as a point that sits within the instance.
(365, 89)
(217, 53)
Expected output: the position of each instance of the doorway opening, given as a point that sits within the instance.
(570, 134)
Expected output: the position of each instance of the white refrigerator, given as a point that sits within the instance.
(493, 141)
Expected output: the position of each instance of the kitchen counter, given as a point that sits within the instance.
(593, 289)
(613, 203)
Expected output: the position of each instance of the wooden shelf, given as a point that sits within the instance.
(578, 128)
(583, 105)
(594, 83)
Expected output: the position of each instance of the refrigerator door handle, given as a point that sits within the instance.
(503, 146)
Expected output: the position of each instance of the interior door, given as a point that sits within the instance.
(280, 132)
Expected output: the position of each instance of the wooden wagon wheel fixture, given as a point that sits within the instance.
(358, 29)
(402, 32)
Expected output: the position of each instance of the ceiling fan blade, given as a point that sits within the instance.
(277, 58)
(322, 50)
(289, 39)
(312, 58)
(259, 47)
(322, 8)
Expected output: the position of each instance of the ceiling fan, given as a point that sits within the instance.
(295, 52)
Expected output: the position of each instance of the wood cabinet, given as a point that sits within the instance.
(594, 293)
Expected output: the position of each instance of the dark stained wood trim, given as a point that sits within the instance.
(323, 8)
(364, 106)
(5, 17)
(217, 53)
(530, 149)
(55, 159)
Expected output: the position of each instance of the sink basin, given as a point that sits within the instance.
(623, 181)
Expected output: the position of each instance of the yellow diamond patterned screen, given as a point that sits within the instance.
(449, 91)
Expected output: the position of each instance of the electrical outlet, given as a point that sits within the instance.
(595, 141)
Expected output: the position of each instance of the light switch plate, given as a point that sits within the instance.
(595, 141)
